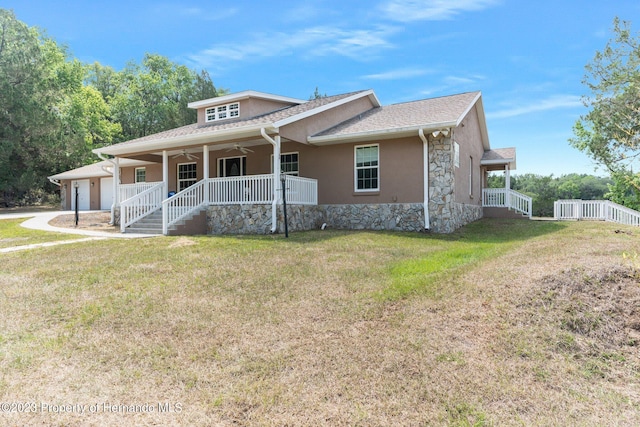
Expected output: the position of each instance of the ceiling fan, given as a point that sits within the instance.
(240, 148)
(189, 156)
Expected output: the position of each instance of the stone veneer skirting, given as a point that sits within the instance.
(256, 219)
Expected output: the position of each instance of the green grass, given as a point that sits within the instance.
(12, 234)
(323, 328)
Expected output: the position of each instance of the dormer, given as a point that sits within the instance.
(239, 106)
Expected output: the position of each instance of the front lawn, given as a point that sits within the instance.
(328, 328)
(12, 234)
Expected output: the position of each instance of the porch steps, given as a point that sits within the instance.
(503, 213)
(151, 224)
(193, 224)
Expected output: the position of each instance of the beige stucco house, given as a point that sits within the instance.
(345, 162)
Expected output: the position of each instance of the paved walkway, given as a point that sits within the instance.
(40, 221)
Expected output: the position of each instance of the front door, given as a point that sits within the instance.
(232, 166)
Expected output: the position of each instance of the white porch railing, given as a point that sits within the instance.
(301, 191)
(595, 210)
(505, 198)
(127, 191)
(248, 189)
(142, 204)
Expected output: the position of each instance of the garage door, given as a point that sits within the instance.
(84, 189)
(106, 193)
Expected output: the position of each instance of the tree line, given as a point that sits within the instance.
(54, 109)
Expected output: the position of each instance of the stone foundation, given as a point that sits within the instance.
(256, 219)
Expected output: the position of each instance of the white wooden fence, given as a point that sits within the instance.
(595, 210)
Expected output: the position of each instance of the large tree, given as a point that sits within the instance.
(152, 96)
(610, 132)
(49, 121)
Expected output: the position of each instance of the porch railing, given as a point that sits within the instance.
(506, 198)
(142, 204)
(127, 191)
(248, 189)
(301, 191)
(595, 210)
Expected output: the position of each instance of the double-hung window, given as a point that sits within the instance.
(141, 175)
(367, 168)
(187, 175)
(288, 164)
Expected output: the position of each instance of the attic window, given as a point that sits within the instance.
(221, 112)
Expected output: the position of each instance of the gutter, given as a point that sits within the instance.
(54, 181)
(425, 157)
(276, 181)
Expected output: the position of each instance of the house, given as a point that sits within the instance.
(345, 161)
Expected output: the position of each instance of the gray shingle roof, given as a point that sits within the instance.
(434, 111)
(266, 119)
(497, 154)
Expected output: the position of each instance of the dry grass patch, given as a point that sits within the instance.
(268, 331)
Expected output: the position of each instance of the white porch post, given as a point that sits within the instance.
(205, 171)
(165, 174)
(116, 188)
(276, 177)
(507, 185)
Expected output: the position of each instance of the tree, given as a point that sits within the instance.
(49, 121)
(610, 132)
(153, 96)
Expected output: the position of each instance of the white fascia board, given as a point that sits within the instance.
(497, 161)
(289, 120)
(184, 140)
(225, 99)
(377, 134)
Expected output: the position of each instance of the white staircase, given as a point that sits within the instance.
(150, 224)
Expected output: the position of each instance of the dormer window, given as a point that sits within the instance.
(221, 112)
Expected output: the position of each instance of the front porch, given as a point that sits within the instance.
(150, 199)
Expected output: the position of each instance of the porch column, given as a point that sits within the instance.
(205, 171)
(115, 198)
(276, 169)
(507, 177)
(507, 185)
(165, 174)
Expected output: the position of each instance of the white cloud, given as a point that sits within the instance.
(401, 73)
(309, 42)
(431, 10)
(551, 103)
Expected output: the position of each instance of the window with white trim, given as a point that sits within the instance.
(141, 175)
(187, 175)
(221, 112)
(367, 158)
(288, 164)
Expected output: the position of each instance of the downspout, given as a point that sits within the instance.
(276, 181)
(425, 160)
(116, 170)
(54, 181)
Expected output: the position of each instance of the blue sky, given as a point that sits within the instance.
(527, 57)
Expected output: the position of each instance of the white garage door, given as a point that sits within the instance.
(106, 193)
(84, 189)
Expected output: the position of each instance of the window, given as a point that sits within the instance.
(456, 154)
(470, 176)
(367, 168)
(288, 164)
(141, 175)
(232, 166)
(187, 175)
(221, 112)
